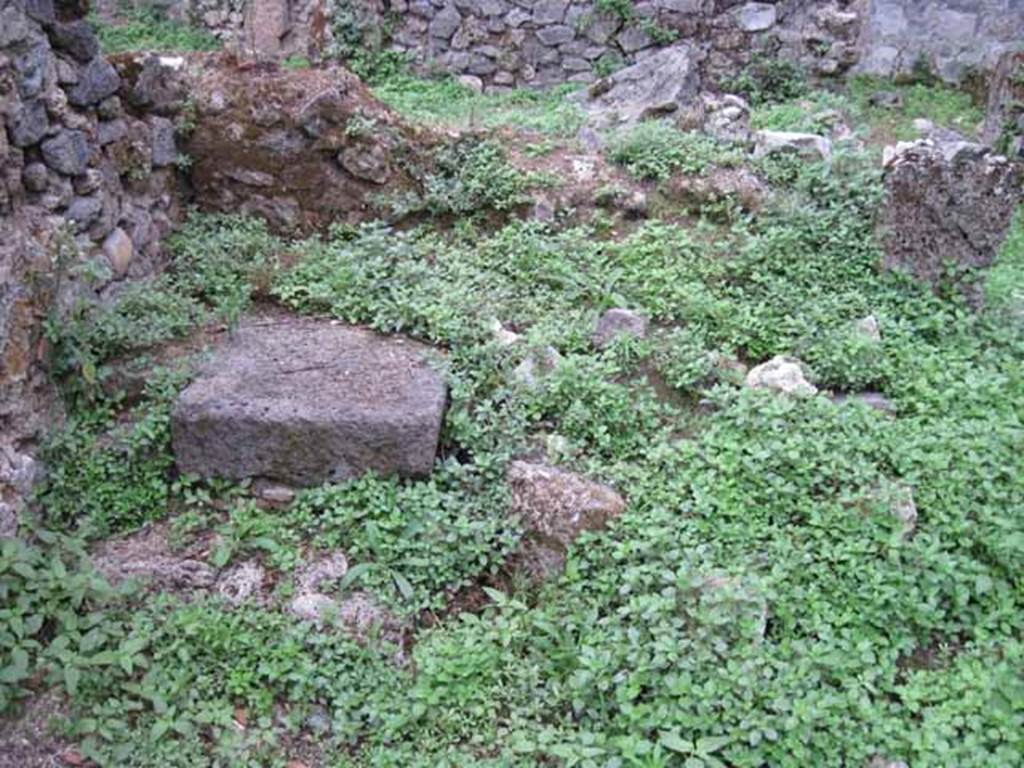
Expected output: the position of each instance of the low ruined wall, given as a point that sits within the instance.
(555, 41)
(540, 42)
(88, 187)
(509, 43)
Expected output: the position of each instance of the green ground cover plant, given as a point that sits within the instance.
(148, 30)
(655, 150)
(814, 111)
(110, 471)
(758, 603)
(446, 102)
(468, 176)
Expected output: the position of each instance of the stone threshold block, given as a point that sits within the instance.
(304, 401)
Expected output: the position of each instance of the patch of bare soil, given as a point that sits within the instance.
(148, 555)
(27, 739)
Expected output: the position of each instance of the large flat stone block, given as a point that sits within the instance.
(306, 401)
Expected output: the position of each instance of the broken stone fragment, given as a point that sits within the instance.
(756, 17)
(617, 323)
(502, 335)
(146, 555)
(77, 38)
(559, 505)
(357, 614)
(304, 402)
(96, 81)
(806, 145)
(118, 249)
(472, 82)
(34, 177)
(313, 606)
(555, 507)
(68, 153)
(782, 374)
(658, 85)
(274, 494)
(886, 99)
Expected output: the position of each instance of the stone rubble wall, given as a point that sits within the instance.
(514, 43)
(542, 42)
(88, 187)
(545, 42)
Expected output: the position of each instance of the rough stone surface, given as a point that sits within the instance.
(28, 124)
(321, 571)
(96, 82)
(557, 506)
(147, 556)
(616, 323)
(67, 152)
(951, 37)
(77, 38)
(305, 401)
(803, 144)
(782, 374)
(659, 85)
(119, 249)
(242, 582)
(756, 17)
(56, 165)
(1004, 121)
(278, 144)
(164, 149)
(947, 202)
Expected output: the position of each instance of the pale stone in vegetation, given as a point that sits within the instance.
(782, 374)
(616, 323)
(559, 505)
(806, 145)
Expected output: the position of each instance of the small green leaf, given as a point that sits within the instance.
(72, 676)
(676, 743)
(355, 573)
(404, 587)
